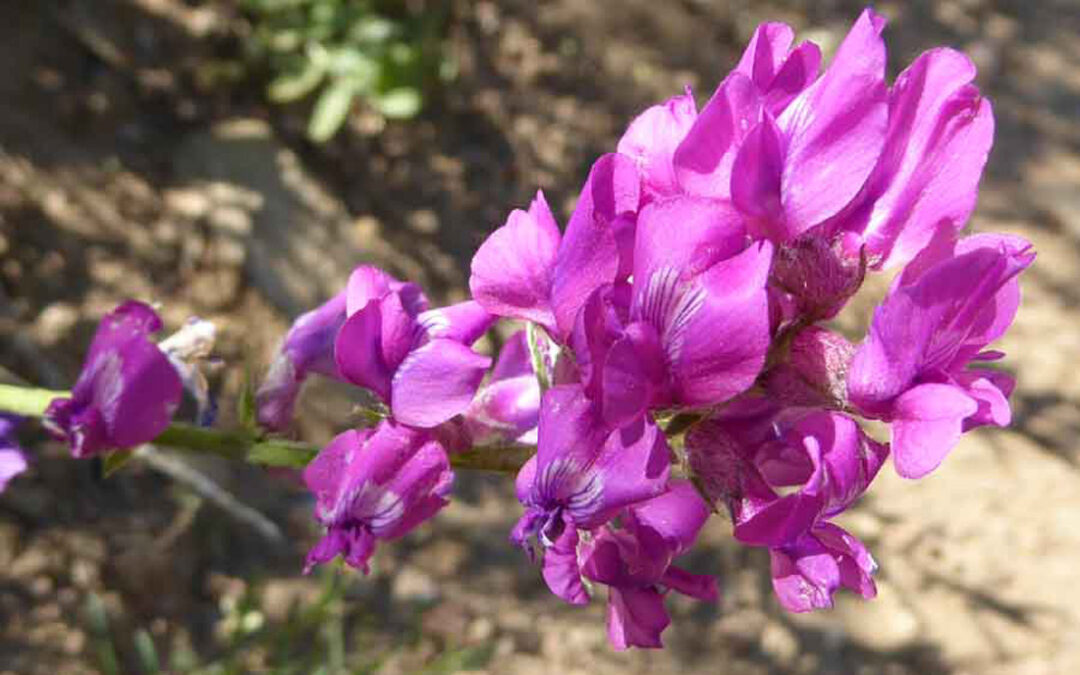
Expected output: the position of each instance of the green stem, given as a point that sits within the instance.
(249, 446)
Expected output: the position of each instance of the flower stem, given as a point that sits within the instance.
(250, 446)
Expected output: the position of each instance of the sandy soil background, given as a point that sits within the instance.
(123, 173)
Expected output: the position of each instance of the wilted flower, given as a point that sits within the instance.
(127, 391)
(308, 347)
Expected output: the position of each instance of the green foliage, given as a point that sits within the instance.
(344, 51)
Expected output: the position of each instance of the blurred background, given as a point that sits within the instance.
(234, 159)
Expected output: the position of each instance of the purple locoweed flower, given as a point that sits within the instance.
(12, 458)
(375, 484)
(913, 369)
(582, 475)
(307, 348)
(794, 152)
(784, 474)
(127, 391)
(692, 328)
(807, 572)
(938, 138)
(416, 360)
(635, 562)
(527, 270)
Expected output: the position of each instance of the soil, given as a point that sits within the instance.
(128, 169)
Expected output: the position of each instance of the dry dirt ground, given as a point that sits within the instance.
(124, 172)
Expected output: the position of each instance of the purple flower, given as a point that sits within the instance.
(807, 572)
(783, 475)
(692, 328)
(950, 303)
(507, 408)
(307, 348)
(127, 391)
(418, 362)
(12, 458)
(375, 484)
(527, 270)
(635, 562)
(581, 476)
(790, 154)
(938, 138)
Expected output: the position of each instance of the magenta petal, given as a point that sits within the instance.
(991, 390)
(724, 344)
(323, 475)
(704, 159)
(12, 459)
(652, 137)
(504, 410)
(12, 463)
(436, 382)
(514, 358)
(677, 515)
(308, 347)
(589, 255)
(636, 618)
(699, 586)
(571, 436)
(358, 351)
(756, 178)
(927, 423)
(632, 466)
(367, 283)
(807, 573)
(513, 269)
(415, 493)
(940, 133)
(375, 484)
(797, 73)
(835, 129)
(766, 53)
(805, 579)
(633, 374)
(463, 322)
(708, 231)
(560, 569)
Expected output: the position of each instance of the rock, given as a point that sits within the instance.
(412, 585)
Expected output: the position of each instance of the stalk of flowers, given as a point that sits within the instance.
(676, 358)
(693, 277)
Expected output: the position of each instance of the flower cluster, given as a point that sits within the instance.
(676, 357)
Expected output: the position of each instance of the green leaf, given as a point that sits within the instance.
(295, 85)
(148, 656)
(331, 110)
(399, 103)
(116, 460)
(374, 30)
